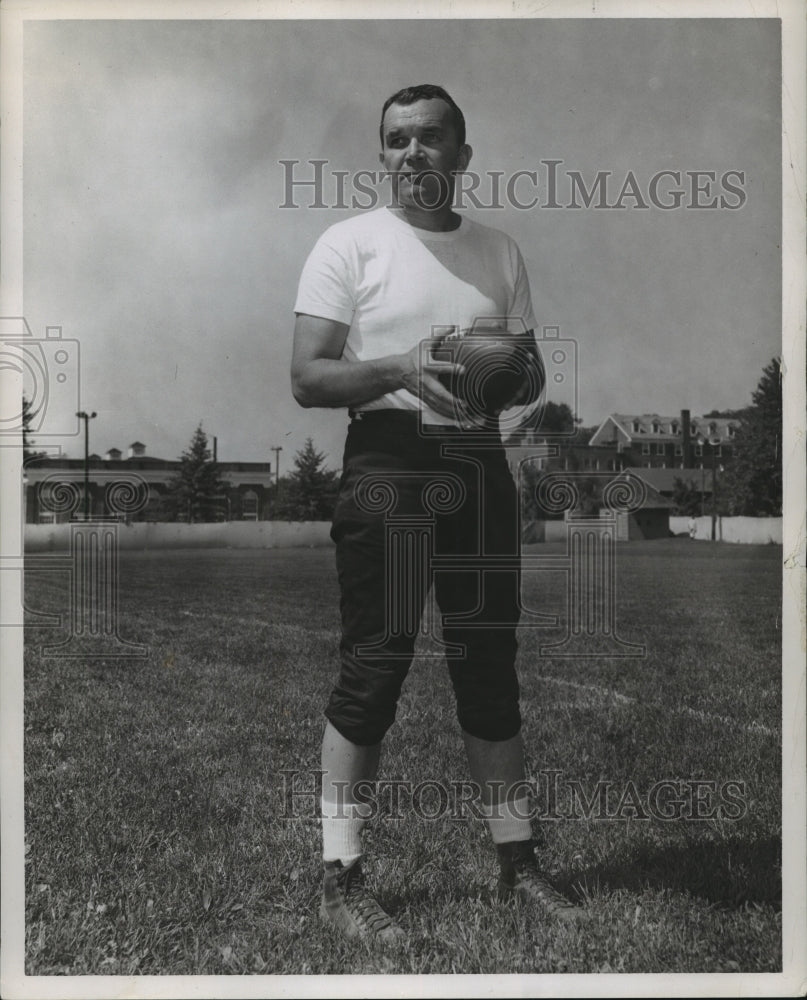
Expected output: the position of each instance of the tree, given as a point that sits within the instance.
(687, 498)
(752, 484)
(553, 418)
(28, 452)
(194, 493)
(309, 492)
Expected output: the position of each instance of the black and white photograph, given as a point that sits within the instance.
(402, 560)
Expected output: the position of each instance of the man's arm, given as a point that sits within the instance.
(321, 377)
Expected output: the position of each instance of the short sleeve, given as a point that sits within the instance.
(327, 283)
(522, 299)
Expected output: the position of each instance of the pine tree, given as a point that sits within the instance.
(28, 452)
(309, 492)
(194, 493)
(752, 484)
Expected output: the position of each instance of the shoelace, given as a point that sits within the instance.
(548, 895)
(363, 905)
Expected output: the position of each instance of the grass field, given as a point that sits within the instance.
(156, 840)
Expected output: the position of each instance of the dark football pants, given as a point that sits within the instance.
(396, 489)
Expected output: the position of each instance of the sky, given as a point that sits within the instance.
(154, 233)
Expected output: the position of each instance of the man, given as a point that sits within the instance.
(373, 288)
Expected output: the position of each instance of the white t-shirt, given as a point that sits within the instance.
(392, 284)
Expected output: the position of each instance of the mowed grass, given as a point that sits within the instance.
(158, 839)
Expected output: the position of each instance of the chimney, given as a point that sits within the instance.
(686, 441)
(215, 447)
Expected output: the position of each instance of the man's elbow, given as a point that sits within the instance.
(302, 388)
(302, 392)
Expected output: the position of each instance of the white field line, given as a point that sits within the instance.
(317, 633)
(603, 693)
(694, 713)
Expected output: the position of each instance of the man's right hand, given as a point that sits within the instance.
(420, 372)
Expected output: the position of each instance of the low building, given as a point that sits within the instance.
(651, 519)
(133, 488)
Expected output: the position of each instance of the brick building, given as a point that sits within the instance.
(131, 488)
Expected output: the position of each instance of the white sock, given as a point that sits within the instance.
(341, 831)
(509, 821)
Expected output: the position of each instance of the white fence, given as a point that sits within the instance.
(225, 535)
(743, 530)
(313, 534)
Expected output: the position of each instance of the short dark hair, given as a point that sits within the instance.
(425, 92)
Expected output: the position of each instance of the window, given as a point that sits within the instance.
(675, 428)
(636, 426)
(718, 451)
(679, 450)
(249, 506)
(645, 449)
(660, 449)
(656, 427)
(699, 450)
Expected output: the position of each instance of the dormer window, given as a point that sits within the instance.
(656, 427)
(674, 428)
(636, 426)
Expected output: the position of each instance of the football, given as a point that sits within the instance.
(495, 363)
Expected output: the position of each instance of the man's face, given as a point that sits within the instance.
(421, 153)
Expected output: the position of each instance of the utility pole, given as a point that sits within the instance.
(714, 446)
(701, 441)
(86, 417)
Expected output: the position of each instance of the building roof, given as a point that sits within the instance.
(663, 480)
(653, 498)
(657, 427)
